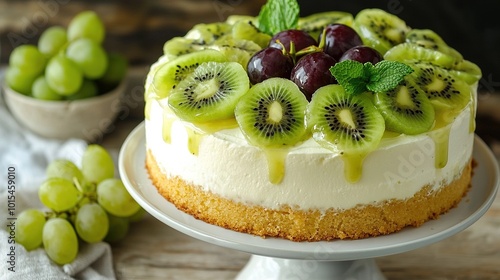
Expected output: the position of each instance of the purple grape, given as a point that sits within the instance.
(301, 40)
(362, 54)
(339, 38)
(312, 72)
(268, 63)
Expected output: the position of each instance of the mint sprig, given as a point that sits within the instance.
(357, 77)
(278, 15)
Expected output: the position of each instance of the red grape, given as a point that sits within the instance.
(362, 54)
(312, 71)
(339, 38)
(268, 63)
(301, 40)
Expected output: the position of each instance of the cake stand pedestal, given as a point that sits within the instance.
(274, 259)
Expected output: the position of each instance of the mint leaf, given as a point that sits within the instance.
(351, 75)
(278, 15)
(387, 75)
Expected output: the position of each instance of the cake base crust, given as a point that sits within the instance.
(312, 225)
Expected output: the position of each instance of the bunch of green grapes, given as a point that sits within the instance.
(66, 64)
(87, 204)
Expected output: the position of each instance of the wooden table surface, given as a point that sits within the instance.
(153, 250)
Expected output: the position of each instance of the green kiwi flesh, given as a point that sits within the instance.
(206, 33)
(246, 30)
(379, 29)
(466, 71)
(349, 124)
(407, 52)
(172, 72)
(406, 109)
(272, 114)
(210, 93)
(429, 39)
(443, 89)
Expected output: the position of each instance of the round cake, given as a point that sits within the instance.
(311, 140)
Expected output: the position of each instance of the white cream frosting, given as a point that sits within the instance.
(228, 166)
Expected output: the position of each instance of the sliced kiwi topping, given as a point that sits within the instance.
(442, 88)
(379, 29)
(345, 123)
(210, 93)
(207, 33)
(430, 40)
(466, 71)
(406, 109)
(408, 52)
(246, 30)
(171, 73)
(178, 46)
(315, 23)
(271, 114)
(236, 50)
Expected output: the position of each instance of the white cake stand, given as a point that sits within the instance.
(282, 259)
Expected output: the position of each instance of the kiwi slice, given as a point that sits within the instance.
(379, 29)
(207, 33)
(178, 46)
(236, 50)
(271, 114)
(431, 40)
(442, 88)
(345, 123)
(172, 72)
(408, 52)
(210, 93)
(466, 71)
(315, 23)
(246, 30)
(406, 109)
(232, 19)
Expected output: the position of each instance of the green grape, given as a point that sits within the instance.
(114, 198)
(86, 25)
(90, 57)
(52, 40)
(97, 164)
(28, 59)
(19, 81)
(63, 75)
(63, 168)
(116, 70)
(91, 223)
(41, 90)
(118, 228)
(137, 216)
(87, 90)
(29, 227)
(60, 241)
(58, 194)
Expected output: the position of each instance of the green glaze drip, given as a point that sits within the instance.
(147, 109)
(353, 166)
(472, 120)
(441, 140)
(194, 140)
(441, 137)
(276, 164)
(168, 120)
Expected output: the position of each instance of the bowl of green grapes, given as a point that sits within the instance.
(68, 85)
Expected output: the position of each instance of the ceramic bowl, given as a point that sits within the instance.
(87, 119)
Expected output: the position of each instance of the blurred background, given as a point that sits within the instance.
(138, 29)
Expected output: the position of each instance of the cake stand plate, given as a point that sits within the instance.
(283, 259)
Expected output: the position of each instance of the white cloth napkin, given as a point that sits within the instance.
(30, 154)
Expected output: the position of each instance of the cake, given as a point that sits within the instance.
(396, 155)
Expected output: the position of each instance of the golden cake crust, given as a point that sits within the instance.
(313, 225)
